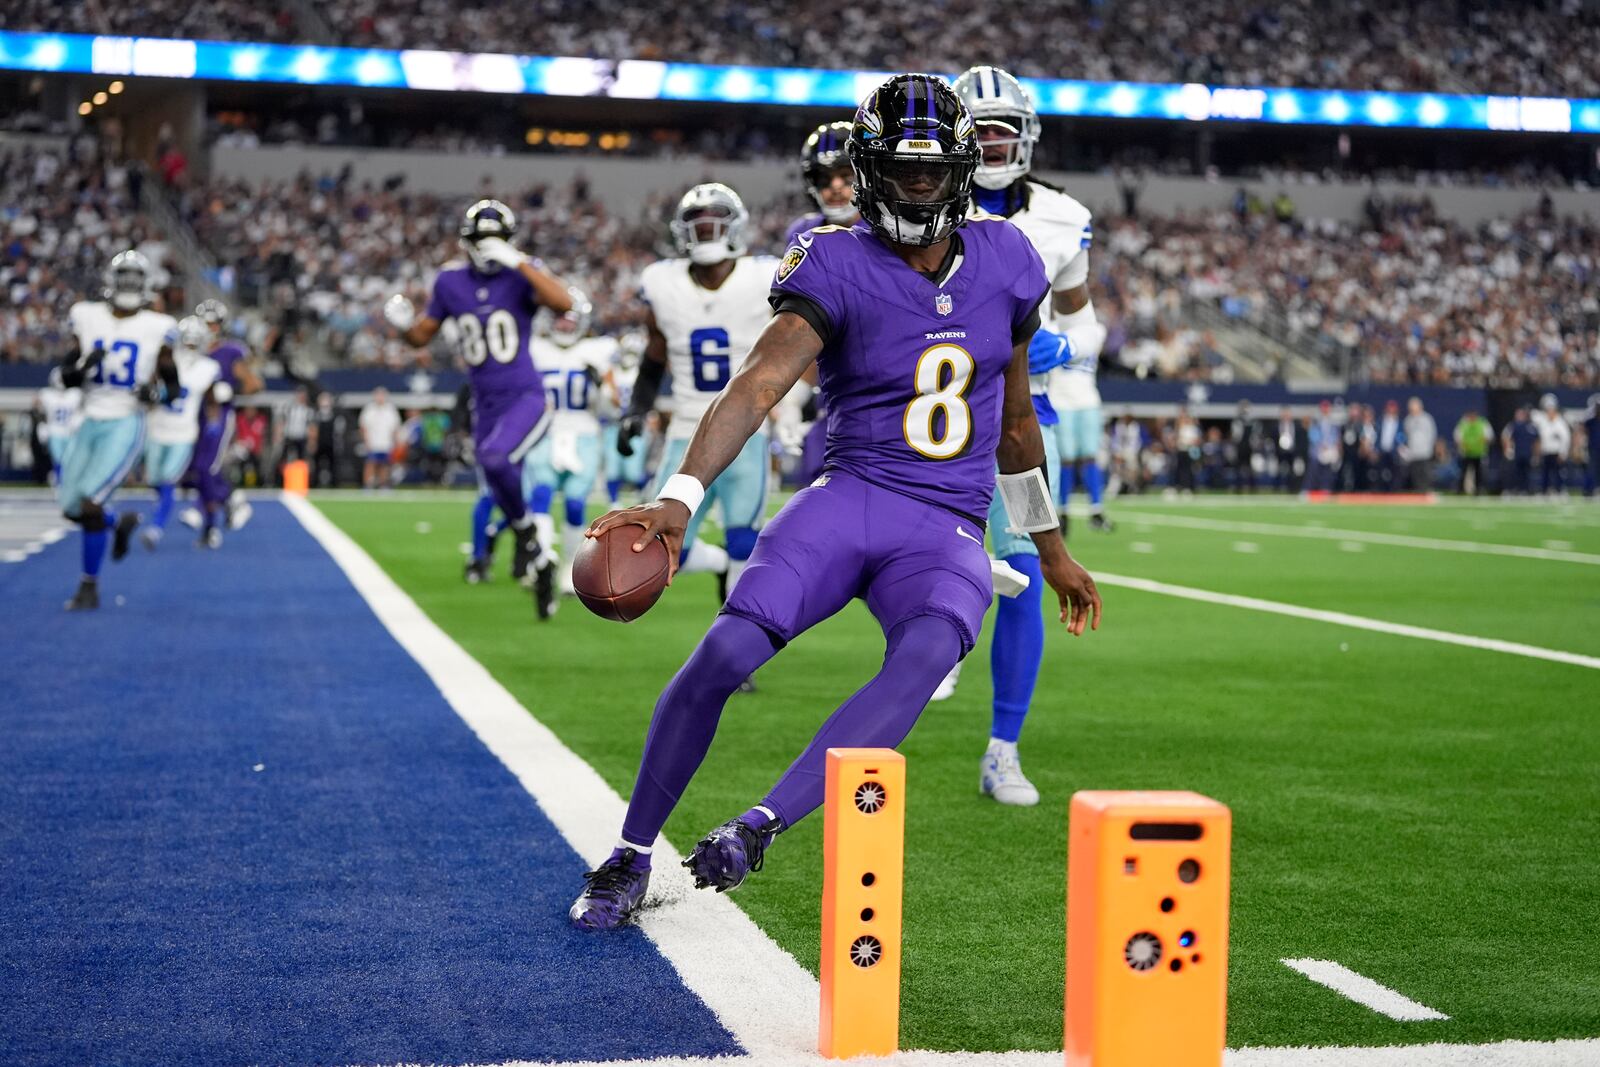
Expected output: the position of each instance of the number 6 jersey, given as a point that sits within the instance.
(493, 319)
(708, 331)
(912, 371)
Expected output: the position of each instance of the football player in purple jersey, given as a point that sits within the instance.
(829, 179)
(492, 297)
(918, 319)
(237, 372)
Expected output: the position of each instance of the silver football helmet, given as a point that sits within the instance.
(193, 334)
(130, 281)
(1008, 124)
(709, 224)
(570, 327)
(214, 313)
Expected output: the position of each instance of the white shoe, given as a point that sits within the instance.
(947, 688)
(564, 579)
(191, 518)
(1001, 776)
(150, 537)
(239, 515)
(1008, 581)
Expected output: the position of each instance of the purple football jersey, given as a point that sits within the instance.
(227, 354)
(913, 372)
(493, 314)
(801, 225)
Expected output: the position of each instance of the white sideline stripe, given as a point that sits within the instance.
(1194, 522)
(766, 1000)
(782, 1031)
(1364, 991)
(1358, 622)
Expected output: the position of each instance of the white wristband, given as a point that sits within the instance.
(684, 488)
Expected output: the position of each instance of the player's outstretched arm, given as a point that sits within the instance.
(780, 355)
(646, 385)
(1021, 449)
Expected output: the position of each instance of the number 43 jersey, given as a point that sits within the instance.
(492, 315)
(708, 331)
(131, 344)
(912, 370)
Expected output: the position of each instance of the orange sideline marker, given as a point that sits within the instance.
(863, 867)
(1147, 930)
(296, 477)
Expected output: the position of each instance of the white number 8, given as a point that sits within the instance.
(498, 340)
(943, 376)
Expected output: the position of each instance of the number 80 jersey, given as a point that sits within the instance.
(493, 319)
(708, 331)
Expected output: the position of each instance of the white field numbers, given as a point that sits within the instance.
(495, 336)
(943, 376)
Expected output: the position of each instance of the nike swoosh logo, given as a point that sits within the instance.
(963, 533)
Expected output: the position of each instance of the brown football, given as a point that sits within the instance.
(613, 580)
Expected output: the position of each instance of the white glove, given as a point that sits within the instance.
(1008, 581)
(398, 312)
(499, 250)
(791, 436)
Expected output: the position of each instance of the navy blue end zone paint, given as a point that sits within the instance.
(382, 890)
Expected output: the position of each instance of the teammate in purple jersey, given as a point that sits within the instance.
(830, 181)
(207, 472)
(237, 373)
(920, 334)
(492, 298)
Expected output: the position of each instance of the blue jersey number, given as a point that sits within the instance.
(175, 403)
(118, 368)
(574, 397)
(709, 348)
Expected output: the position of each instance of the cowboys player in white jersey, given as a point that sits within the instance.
(122, 360)
(1069, 341)
(62, 412)
(172, 428)
(705, 311)
(576, 368)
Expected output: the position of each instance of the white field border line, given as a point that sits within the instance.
(761, 994)
(1358, 622)
(1364, 991)
(1324, 533)
(768, 1001)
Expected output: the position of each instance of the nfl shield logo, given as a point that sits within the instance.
(943, 305)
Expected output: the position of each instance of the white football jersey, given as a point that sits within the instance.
(177, 422)
(569, 391)
(131, 346)
(708, 331)
(63, 410)
(1061, 230)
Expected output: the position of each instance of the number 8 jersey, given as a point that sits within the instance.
(912, 370)
(493, 319)
(708, 331)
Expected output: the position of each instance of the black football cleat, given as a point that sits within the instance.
(1098, 521)
(527, 550)
(122, 537)
(87, 598)
(544, 590)
(477, 571)
(728, 855)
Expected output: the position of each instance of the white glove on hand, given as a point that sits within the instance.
(499, 250)
(398, 312)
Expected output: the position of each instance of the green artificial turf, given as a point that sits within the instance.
(1424, 814)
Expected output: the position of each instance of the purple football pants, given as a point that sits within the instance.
(923, 574)
(505, 427)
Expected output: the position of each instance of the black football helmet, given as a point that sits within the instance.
(823, 154)
(486, 218)
(915, 151)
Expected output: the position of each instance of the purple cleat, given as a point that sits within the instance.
(726, 856)
(611, 893)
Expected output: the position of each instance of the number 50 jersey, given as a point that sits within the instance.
(493, 319)
(708, 331)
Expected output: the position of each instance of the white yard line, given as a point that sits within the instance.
(1319, 533)
(1339, 618)
(1364, 991)
(765, 999)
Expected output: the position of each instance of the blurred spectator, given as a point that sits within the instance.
(1472, 436)
(1591, 439)
(1292, 445)
(1420, 446)
(1391, 448)
(1520, 440)
(380, 427)
(1244, 439)
(326, 438)
(1555, 442)
(293, 428)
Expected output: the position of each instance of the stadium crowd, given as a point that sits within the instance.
(1538, 47)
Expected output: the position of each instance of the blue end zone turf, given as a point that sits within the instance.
(380, 890)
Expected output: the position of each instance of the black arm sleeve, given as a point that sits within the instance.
(1027, 328)
(646, 388)
(806, 308)
(168, 370)
(73, 368)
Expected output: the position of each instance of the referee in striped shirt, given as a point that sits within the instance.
(294, 429)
